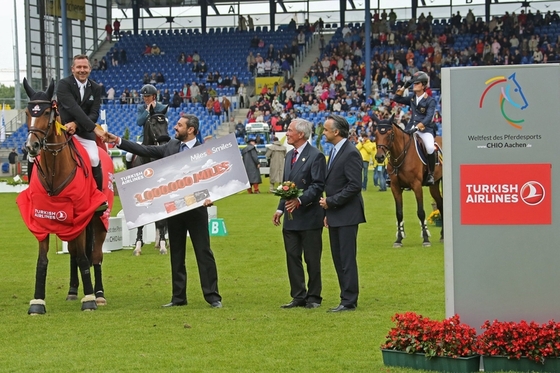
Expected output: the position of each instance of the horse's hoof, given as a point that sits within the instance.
(100, 301)
(397, 245)
(37, 307)
(88, 303)
(137, 252)
(441, 240)
(71, 297)
(426, 244)
(163, 251)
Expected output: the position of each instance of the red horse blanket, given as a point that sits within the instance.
(68, 213)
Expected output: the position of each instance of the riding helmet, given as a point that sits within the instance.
(148, 89)
(420, 77)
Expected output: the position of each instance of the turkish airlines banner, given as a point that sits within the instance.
(181, 182)
(506, 194)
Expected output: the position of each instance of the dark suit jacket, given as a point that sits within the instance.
(421, 113)
(343, 188)
(73, 109)
(308, 173)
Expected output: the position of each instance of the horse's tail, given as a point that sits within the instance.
(89, 240)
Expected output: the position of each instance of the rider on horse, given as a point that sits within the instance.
(149, 94)
(79, 102)
(422, 109)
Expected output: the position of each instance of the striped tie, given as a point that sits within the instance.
(294, 157)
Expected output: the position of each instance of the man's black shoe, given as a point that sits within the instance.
(312, 305)
(293, 304)
(172, 304)
(342, 308)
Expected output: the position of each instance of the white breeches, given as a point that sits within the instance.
(91, 148)
(428, 140)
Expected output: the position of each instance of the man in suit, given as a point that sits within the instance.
(344, 208)
(195, 221)
(79, 101)
(304, 166)
(422, 108)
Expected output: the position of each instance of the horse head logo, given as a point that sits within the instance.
(510, 92)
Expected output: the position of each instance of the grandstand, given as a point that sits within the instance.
(225, 49)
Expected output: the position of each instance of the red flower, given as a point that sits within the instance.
(415, 333)
(516, 340)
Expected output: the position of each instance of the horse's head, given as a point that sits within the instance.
(514, 93)
(384, 137)
(155, 129)
(41, 114)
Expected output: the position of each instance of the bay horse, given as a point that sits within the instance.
(406, 170)
(62, 198)
(154, 133)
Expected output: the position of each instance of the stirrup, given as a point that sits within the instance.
(430, 180)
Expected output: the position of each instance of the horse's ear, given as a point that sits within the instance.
(152, 111)
(30, 91)
(164, 111)
(50, 90)
(392, 119)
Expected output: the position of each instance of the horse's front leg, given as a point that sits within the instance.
(37, 305)
(139, 241)
(74, 280)
(397, 195)
(99, 235)
(421, 213)
(161, 230)
(76, 248)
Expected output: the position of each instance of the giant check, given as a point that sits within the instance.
(181, 182)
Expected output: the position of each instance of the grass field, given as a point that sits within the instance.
(250, 333)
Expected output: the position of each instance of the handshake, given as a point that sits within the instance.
(104, 135)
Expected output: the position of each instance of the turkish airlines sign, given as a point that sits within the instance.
(506, 194)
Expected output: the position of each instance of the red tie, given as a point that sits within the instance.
(294, 157)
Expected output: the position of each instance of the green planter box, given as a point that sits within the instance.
(502, 363)
(438, 364)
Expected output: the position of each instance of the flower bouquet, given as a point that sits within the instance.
(288, 190)
(434, 217)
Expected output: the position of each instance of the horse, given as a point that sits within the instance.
(155, 133)
(50, 206)
(406, 170)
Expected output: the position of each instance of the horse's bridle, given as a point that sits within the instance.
(52, 147)
(154, 135)
(395, 162)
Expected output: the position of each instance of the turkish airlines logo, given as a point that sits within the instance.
(506, 194)
(148, 172)
(61, 216)
(532, 193)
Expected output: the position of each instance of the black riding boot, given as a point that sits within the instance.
(431, 166)
(98, 176)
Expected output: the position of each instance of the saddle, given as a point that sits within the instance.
(422, 154)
